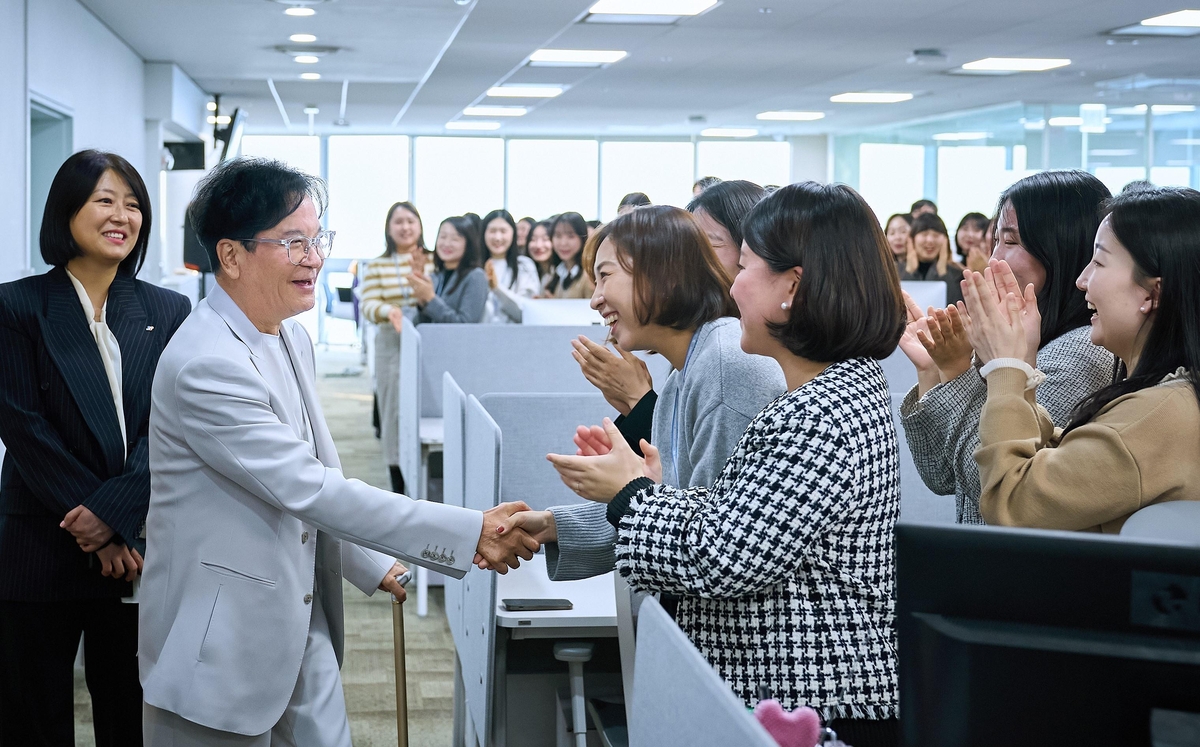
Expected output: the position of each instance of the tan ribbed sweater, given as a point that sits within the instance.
(1142, 448)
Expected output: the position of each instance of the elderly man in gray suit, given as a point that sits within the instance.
(252, 525)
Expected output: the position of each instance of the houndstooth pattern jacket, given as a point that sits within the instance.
(786, 564)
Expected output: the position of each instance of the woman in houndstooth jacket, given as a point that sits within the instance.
(785, 566)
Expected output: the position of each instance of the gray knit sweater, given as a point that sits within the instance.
(723, 390)
(942, 428)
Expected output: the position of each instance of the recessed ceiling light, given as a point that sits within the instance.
(307, 59)
(1112, 152)
(310, 76)
(495, 111)
(576, 57)
(729, 132)
(302, 38)
(301, 12)
(312, 110)
(211, 106)
(952, 136)
(865, 97)
(1016, 64)
(1186, 141)
(1066, 121)
(525, 92)
(652, 7)
(472, 125)
(790, 116)
(1184, 18)
(222, 119)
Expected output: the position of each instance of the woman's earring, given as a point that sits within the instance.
(784, 305)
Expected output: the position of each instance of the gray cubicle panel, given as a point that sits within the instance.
(917, 502)
(532, 426)
(481, 491)
(410, 407)
(454, 405)
(901, 374)
(679, 699)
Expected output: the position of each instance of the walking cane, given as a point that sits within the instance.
(401, 672)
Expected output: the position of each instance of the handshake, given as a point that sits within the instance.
(501, 544)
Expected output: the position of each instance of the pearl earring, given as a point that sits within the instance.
(784, 305)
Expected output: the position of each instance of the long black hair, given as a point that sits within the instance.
(513, 251)
(71, 189)
(1058, 213)
(1160, 228)
(728, 203)
(471, 252)
(387, 234)
(579, 226)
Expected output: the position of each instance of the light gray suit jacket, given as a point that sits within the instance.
(245, 526)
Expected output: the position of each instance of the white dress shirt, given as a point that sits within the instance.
(110, 352)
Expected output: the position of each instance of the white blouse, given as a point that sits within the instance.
(110, 352)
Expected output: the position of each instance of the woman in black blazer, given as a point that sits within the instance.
(80, 345)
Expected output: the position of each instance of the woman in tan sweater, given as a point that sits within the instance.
(1131, 444)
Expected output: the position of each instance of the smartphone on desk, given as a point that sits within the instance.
(536, 605)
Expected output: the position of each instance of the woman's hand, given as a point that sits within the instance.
(119, 561)
(945, 339)
(977, 258)
(623, 378)
(489, 269)
(539, 525)
(422, 287)
(600, 478)
(396, 317)
(1031, 318)
(994, 326)
(591, 441)
(89, 531)
(910, 343)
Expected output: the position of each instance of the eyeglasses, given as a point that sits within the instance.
(298, 247)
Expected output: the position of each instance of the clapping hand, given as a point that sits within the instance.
(591, 441)
(422, 286)
(622, 377)
(945, 339)
(910, 343)
(600, 477)
(89, 531)
(997, 316)
(500, 546)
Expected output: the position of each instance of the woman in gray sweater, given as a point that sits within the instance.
(1047, 223)
(660, 286)
(458, 292)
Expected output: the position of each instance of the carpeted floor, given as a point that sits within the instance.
(368, 672)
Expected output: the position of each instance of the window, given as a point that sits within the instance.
(891, 177)
(546, 177)
(761, 162)
(299, 151)
(661, 170)
(971, 178)
(367, 174)
(456, 175)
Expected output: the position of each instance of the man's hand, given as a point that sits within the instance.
(391, 585)
(501, 547)
(539, 525)
(89, 531)
(600, 478)
(120, 561)
(622, 378)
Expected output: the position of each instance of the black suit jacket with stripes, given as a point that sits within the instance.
(61, 431)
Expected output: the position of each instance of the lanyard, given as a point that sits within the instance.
(674, 481)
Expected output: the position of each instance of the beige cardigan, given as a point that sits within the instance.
(1140, 449)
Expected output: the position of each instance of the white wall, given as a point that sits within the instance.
(14, 127)
(811, 159)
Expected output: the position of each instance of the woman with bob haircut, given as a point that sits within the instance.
(929, 256)
(80, 344)
(660, 287)
(1047, 224)
(505, 266)
(785, 566)
(458, 291)
(632, 201)
(1131, 444)
(567, 279)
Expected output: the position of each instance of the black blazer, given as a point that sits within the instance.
(59, 426)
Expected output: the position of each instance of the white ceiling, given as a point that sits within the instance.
(726, 65)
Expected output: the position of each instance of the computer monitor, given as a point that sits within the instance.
(1025, 637)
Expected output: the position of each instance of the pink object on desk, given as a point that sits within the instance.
(800, 728)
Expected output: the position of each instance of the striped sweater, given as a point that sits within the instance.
(384, 285)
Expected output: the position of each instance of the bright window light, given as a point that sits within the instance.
(307, 59)
(663, 170)
(758, 161)
(1016, 64)
(367, 173)
(310, 76)
(495, 111)
(525, 92)
(1184, 18)
(1066, 121)
(302, 12)
(891, 176)
(652, 7)
(729, 132)
(302, 38)
(1172, 108)
(957, 136)
(481, 125)
(576, 57)
(863, 97)
(453, 175)
(535, 183)
(790, 116)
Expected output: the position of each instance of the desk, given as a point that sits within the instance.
(593, 616)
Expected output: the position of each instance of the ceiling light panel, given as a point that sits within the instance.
(576, 57)
(870, 97)
(960, 136)
(310, 76)
(478, 125)
(495, 111)
(302, 38)
(729, 132)
(525, 92)
(1016, 64)
(300, 12)
(1181, 18)
(1065, 121)
(652, 7)
(307, 59)
(790, 116)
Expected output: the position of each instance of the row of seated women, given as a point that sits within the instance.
(761, 485)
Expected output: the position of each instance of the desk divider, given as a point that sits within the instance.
(917, 502)
(678, 697)
(453, 466)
